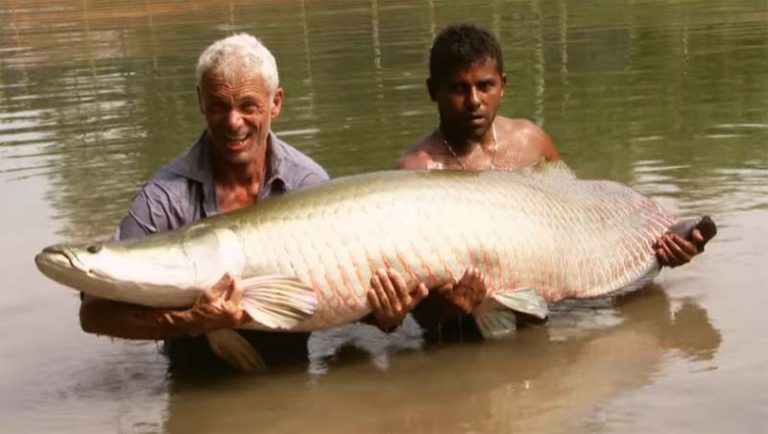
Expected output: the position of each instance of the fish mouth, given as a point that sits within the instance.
(59, 258)
(62, 265)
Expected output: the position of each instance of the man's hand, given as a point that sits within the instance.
(468, 292)
(673, 250)
(217, 308)
(391, 298)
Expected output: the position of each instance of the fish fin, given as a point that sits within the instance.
(544, 167)
(495, 323)
(495, 317)
(524, 300)
(278, 302)
(235, 350)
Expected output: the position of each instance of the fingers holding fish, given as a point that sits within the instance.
(698, 239)
(394, 295)
(673, 250)
(469, 291)
(387, 308)
(218, 289)
(391, 297)
(219, 307)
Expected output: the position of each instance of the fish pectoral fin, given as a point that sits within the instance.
(495, 317)
(523, 300)
(235, 350)
(495, 322)
(278, 302)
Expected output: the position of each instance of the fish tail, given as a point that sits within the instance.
(705, 225)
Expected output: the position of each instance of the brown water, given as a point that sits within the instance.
(669, 96)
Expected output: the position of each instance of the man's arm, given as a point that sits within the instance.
(217, 308)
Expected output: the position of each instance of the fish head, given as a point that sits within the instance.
(157, 267)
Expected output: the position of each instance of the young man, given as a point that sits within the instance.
(466, 82)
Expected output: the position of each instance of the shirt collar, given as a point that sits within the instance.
(195, 164)
(278, 167)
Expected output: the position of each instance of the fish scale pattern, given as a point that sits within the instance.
(563, 237)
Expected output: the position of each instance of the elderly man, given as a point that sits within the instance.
(236, 162)
(466, 82)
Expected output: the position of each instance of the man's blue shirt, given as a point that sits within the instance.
(184, 191)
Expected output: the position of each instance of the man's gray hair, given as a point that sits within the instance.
(236, 54)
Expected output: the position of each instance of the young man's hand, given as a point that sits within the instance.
(674, 250)
(391, 298)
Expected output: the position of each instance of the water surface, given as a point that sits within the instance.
(668, 96)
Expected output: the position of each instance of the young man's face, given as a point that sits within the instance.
(468, 98)
(238, 114)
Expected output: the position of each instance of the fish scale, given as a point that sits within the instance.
(557, 235)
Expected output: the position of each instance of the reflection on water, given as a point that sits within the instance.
(546, 379)
(106, 92)
(666, 95)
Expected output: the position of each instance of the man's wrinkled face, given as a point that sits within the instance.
(468, 98)
(238, 113)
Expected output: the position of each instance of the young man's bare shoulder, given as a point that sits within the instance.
(414, 159)
(420, 156)
(517, 125)
(527, 136)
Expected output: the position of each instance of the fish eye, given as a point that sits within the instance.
(94, 248)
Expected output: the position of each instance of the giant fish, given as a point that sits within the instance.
(305, 259)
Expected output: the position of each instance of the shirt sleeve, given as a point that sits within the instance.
(316, 176)
(149, 213)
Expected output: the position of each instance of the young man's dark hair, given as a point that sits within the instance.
(462, 45)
